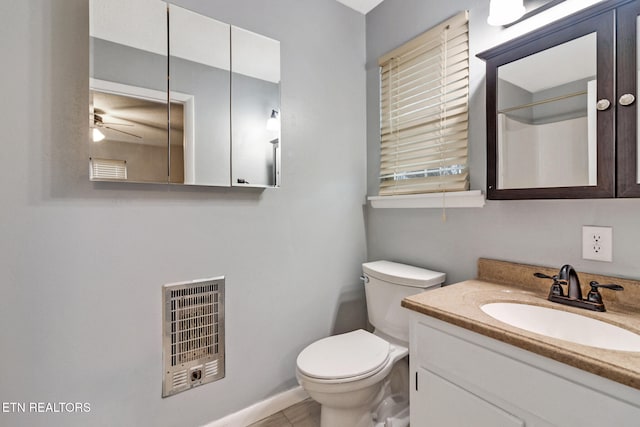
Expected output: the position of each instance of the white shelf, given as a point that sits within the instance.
(458, 199)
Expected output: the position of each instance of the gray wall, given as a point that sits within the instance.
(566, 109)
(83, 263)
(510, 95)
(538, 232)
(251, 105)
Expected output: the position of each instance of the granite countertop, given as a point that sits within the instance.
(459, 304)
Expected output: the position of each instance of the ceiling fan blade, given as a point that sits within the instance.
(121, 131)
(117, 124)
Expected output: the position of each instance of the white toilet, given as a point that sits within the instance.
(361, 379)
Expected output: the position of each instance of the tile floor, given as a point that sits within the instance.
(303, 414)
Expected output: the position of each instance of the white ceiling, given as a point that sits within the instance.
(362, 6)
(565, 63)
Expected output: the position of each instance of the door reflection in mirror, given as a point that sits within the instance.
(134, 130)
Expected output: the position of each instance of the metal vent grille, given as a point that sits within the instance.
(193, 334)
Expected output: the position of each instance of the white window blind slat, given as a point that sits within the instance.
(417, 151)
(430, 115)
(107, 169)
(428, 133)
(427, 99)
(452, 139)
(429, 170)
(424, 96)
(457, 39)
(426, 156)
(426, 60)
(421, 94)
(426, 128)
(418, 165)
(458, 182)
(426, 114)
(424, 75)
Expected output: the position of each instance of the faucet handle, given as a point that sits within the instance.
(556, 288)
(595, 296)
(595, 285)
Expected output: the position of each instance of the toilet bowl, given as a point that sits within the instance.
(361, 379)
(348, 381)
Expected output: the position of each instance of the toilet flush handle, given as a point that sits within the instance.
(364, 279)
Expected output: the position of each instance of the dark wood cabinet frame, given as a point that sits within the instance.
(627, 81)
(615, 176)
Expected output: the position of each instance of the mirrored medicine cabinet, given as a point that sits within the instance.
(178, 97)
(562, 118)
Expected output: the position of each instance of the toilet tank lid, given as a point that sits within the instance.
(403, 274)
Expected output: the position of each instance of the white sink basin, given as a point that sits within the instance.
(564, 325)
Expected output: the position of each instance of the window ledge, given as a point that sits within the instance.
(458, 199)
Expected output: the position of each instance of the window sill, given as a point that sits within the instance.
(458, 199)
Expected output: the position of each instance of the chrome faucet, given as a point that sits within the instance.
(568, 276)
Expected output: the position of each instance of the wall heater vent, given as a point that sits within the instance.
(193, 334)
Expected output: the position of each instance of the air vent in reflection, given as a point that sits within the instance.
(107, 170)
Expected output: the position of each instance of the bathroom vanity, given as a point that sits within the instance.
(468, 368)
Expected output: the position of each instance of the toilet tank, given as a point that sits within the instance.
(386, 284)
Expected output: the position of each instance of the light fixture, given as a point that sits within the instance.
(273, 124)
(503, 12)
(97, 135)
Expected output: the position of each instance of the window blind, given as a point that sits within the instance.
(424, 97)
(107, 169)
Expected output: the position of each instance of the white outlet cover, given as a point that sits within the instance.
(597, 243)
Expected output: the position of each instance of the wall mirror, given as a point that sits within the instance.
(255, 109)
(547, 118)
(164, 98)
(128, 109)
(199, 64)
(550, 111)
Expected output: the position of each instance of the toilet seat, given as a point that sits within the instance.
(350, 356)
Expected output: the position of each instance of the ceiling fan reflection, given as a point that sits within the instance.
(98, 122)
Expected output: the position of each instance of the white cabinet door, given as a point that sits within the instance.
(468, 380)
(440, 403)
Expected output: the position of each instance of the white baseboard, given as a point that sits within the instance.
(262, 409)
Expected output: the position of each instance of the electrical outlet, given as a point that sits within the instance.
(597, 243)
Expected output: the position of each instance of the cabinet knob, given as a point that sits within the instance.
(627, 99)
(603, 104)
